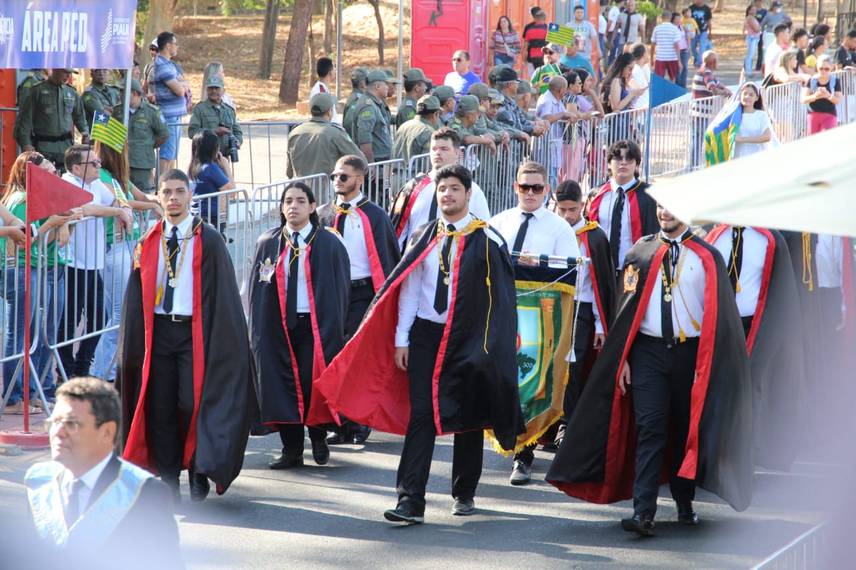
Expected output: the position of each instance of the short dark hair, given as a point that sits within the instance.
(355, 162)
(310, 195)
(820, 29)
(569, 190)
(102, 396)
(531, 167)
(463, 52)
(780, 28)
(323, 67)
(571, 77)
(852, 33)
(638, 50)
(427, 112)
(164, 39)
(631, 147)
(358, 82)
(455, 171)
(410, 85)
(798, 33)
(448, 134)
(174, 174)
(74, 155)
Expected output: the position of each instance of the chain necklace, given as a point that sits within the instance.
(171, 277)
(441, 233)
(675, 285)
(296, 246)
(732, 268)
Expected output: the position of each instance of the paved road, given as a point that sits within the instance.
(331, 517)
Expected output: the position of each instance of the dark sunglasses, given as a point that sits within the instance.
(340, 176)
(457, 59)
(534, 188)
(548, 52)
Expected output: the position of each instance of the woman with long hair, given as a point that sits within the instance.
(616, 92)
(785, 71)
(822, 94)
(209, 172)
(589, 90)
(816, 48)
(755, 131)
(504, 42)
(752, 30)
(52, 292)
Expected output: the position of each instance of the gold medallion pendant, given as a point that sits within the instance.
(667, 297)
(173, 282)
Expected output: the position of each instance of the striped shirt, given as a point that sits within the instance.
(665, 36)
(703, 83)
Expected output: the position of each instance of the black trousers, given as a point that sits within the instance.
(583, 341)
(169, 401)
(415, 464)
(747, 324)
(84, 299)
(662, 380)
(362, 293)
(291, 435)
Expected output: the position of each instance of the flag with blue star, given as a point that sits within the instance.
(109, 131)
(562, 35)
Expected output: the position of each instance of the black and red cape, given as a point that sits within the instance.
(775, 354)
(597, 458)
(600, 271)
(225, 402)
(642, 207)
(328, 283)
(474, 379)
(403, 201)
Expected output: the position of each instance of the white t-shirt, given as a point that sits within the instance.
(612, 18)
(584, 34)
(601, 24)
(752, 125)
(321, 87)
(771, 56)
(641, 77)
(85, 249)
(665, 36)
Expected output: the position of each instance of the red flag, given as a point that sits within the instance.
(48, 194)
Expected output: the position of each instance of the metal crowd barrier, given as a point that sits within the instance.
(803, 553)
(264, 209)
(384, 179)
(229, 212)
(418, 164)
(786, 110)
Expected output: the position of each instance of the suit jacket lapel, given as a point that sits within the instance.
(111, 471)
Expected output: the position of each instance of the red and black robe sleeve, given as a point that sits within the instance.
(643, 210)
(597, 458)
(225, 401)
(601, 273)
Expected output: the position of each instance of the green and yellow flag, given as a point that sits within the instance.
(109, 131)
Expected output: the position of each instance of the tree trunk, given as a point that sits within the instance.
(720, 4)
(329, 10)
(290, 82)
(819, 16)
(310, 45)
(160, 14)
(268, 38)
(380, 37)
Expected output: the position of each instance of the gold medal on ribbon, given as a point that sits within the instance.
(667, 297)
(173, 282)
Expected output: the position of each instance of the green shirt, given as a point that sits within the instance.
(50, 110)
(412, 138)
(406, 112)
(208, 116)
(146, 127)
(123, 198)
(543, 75)
(17, 205)
(99, 97)
(315, 146)
(372, 126)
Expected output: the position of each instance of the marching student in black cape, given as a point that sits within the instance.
(373, 253)
(674, 368)
(759, 269)
(299, 291)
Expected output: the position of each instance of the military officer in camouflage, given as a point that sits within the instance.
(316, 145)
(446, 96)
(415, 86)
(99, 96)
(464, 123)
(414, 137)
(483, 124)
(47, 118)
(510, 115)
(146, 131)
(371, 124)
(33, 76)
(525, 91)
(358, 83)
(214, 114)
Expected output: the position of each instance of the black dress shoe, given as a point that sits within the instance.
(687, 516)
(286, 462)
(336, 439)
(642, 525)
(404, 513)
(463, 507)
(199, 487)
(320, 452)
(361, 435)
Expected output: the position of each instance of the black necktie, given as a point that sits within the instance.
(735, 264)
(172, 253)
(669, 261)
(615, 226)
(521, 232)
(291, 288)
(341, 217)
(72, 508)
(441, 293)
(432, 211)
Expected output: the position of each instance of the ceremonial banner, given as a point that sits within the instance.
(42, 34)
(545, 309)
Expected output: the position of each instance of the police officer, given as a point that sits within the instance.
(446, 96)
(415, 86)
(464, 122)
(99, 96)
(371, 126)
(48, 116)
(414, 136)
(316, 145)
(510, 114)
(33, 76)
(146, 131)
(358, 83)
(214, 114)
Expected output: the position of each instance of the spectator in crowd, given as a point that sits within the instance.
(358, 88)
(756, 131)
(816, 48)
(146, 132)
(99, 96)
(574, 137)
(504, 43)
(84, 299)
(461, 77)
(325, 71)
(524, 97)
(214, 114)
(572, 59)
(414, 137)
(690, 29)
(589, 91)
(800, 41)
(172, 96)
(760, 13)
(371, 128)
(446, 96)
(614, 40)
(845, 55)
(601, 37)
(702, 15)
(631, 25)
(209, 172)
(617, 93)
(32, 77)
(683, 48)
(585, 37)
(148, 79)
(40, 127)
(785, 71)
(415, 86)
(315, 145)
(773, 19)
(535, 37)
(824, 30)
(666, 44)
(464, 122)
(510, 115)
(822, 94)
(552, 56)
(640, 78)
(705, 84)
(551, 108)
(752, 31)
(14, 210)
(776, 47)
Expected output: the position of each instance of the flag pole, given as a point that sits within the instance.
(27, 291)
(647, 155)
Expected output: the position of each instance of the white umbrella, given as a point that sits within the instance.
(807, 185)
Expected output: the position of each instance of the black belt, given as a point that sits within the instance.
(670, 342)
(175, 318)
(365, 282)
(51, 138)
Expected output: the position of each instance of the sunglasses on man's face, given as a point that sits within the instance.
(533, 188)
(341, 176)
(457, 59)
(548, 52)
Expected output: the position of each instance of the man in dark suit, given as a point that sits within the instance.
(89, 506)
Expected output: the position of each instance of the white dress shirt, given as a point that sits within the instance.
(182, 299)
(547, 233)
(687, 298)
(302, 292)
(88, 479)
(829, 258)
(420, 214)
(604, 217)
(751, 266)
(355, 240)
(584, 291)
(86, 245)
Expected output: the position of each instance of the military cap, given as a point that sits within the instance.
(494, 72)
(443, 93)
(415, 74)
(496, 97)
(523, 88)
(390, 77)
(69, 70)
(479, 90)
(136, 87)
(505, 73)
(359, 74)
(468, 103)
(427, 103)
(215, 80)
(320, 103)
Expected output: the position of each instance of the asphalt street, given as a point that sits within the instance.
(331, 517)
